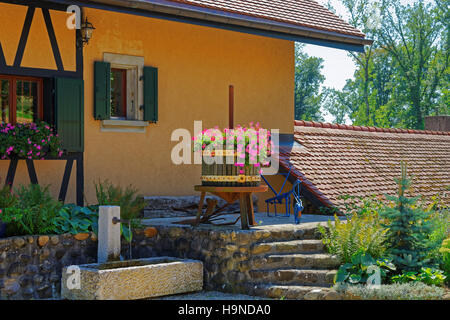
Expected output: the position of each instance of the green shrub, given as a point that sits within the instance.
(445, 252)
(131, 204)
(74, 219)
(359, 232)
(7, 198)
(441, 230)
(34, 212)
(370, 205)
(397, 291)
(426, 275)
(363, 268)
(409, 228)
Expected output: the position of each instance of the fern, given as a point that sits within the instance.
(359, 232)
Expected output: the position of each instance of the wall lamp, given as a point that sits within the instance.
(86, 31)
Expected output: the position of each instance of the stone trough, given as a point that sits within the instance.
(134, 279)
(113, 279)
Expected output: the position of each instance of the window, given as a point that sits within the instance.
(20, 99)
(119, 93)
(125, 93)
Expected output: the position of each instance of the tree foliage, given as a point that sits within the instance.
(404, 75)
(308, 79)
(409, 227)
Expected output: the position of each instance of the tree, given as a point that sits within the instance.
(408, 229)
(402, 77)
(308, 79)
(416, 37)
(378, 90)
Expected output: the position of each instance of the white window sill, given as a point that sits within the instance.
(123, 126)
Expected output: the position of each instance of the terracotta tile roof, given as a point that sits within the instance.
(334, 160)
(305, 13)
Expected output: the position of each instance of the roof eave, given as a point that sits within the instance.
(240, 22)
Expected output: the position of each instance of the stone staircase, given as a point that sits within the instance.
(291, 269)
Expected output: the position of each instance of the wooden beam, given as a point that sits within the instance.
(65, 180)
(80, 179)
(24, 36)
(11, 172)
(231, 107)
(52, 37)
(2, 57)
(31, 171)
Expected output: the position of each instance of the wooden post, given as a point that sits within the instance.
(244, 210)
(250, 211)
(200, 208)
(231, 107)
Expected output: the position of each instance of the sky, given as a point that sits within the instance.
(337, 66)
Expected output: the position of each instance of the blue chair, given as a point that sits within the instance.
(281, 198)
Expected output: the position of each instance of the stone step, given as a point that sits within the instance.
(293, 246)
(289, 232)
(275, 291)
(302, 261)
(294, 276)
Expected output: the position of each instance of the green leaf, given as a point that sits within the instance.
(126, 232)
(355, 278)
(341, 275)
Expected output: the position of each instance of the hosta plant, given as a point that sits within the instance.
(426, 275)
(74, 219)
(364, 269)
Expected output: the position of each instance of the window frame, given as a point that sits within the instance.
(134, 66)
(13, 95)
(124, 96)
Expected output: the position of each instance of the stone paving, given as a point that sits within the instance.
(211, 295)
(261, 218)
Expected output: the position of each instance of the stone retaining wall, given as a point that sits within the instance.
(227, 255)
(31, 266)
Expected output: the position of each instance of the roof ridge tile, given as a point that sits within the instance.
(337, 126)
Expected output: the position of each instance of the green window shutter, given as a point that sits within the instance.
(150, 94)
(102, 90)
(69, 103)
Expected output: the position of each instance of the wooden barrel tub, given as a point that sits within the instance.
(229, 175)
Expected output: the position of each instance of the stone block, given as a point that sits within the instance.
(134, 279)
(108, 234)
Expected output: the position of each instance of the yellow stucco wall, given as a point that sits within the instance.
(196, 65)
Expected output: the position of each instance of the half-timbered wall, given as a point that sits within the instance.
(35, 42)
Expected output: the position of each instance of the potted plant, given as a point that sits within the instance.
(233, 157)
(28, 141)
